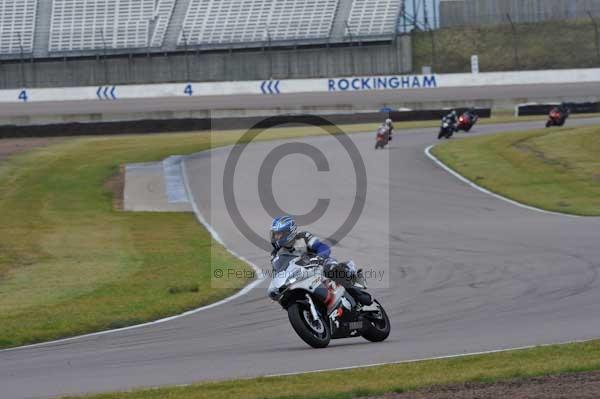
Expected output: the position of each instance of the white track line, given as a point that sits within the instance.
(364, 366)
(486, 191)
(430, 358)
(216, 237)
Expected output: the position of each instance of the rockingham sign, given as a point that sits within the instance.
(383, 83)
(116, 93)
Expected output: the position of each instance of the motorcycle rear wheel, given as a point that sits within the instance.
(316, 333)
(376, 329)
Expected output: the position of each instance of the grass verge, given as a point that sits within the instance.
(552, 169)
(378, 380)
(70, 264)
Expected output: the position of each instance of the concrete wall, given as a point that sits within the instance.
(482, 12)
(380, 59)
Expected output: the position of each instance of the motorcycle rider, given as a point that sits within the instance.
(383, 136)
(284, 237)
(563, 109)
(452, 117)
(390, 126)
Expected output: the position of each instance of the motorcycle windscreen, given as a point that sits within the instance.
(281, 262)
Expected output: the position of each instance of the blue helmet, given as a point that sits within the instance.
(283, 231)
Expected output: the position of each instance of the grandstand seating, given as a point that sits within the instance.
(373, 17)
(163, 13)
(17, 25)
(234, 21)
(113, 24)
(101, 25)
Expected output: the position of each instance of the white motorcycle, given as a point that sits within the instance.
(447, 129)
(320, 309)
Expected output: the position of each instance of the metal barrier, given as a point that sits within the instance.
(434, 114)
(183, 125)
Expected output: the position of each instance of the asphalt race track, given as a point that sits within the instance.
(363, 99)
(467, 273)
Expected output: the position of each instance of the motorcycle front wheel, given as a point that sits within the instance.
(316, 333)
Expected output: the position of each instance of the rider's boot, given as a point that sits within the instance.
(356, 289)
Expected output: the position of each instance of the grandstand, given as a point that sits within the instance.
(238, 21)
(102, 24)
(163, 13)
(89, 27)
(17, 26)
(373, 17)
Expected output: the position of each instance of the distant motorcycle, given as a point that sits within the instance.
(382, 139)
(557, 117)
(447, 129)
(319, 309)
(466, 121)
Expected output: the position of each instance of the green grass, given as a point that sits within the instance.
(553, 169)
(547, 45)
(70, 264)
(391, 378)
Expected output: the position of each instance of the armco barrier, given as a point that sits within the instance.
(180, 125)
(544, 109)
(434, 114)
(187, 125)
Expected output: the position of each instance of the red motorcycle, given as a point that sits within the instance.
(557, 117)
(383, 138)
(466, 121)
